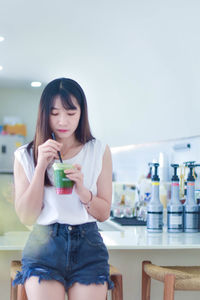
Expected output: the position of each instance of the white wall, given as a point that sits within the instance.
(150, 89)
(140, 71)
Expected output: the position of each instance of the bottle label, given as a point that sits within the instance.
(191, 220)
(175, 220)
(154, 220)
(147, 197)
(175, 184)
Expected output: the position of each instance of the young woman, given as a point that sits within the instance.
(64, 252)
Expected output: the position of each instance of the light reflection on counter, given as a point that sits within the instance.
(138, 238)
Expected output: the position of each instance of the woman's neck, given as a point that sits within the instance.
(68, 144)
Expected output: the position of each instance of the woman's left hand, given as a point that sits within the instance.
(76, 175)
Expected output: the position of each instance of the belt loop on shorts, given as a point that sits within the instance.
(55, 229)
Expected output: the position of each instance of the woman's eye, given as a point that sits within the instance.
(54, 114)
(71, 114)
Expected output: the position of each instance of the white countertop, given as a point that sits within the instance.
(137, 238)
(13, 240)
(130, 237)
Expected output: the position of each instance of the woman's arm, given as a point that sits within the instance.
(99, 206)
(29, 196)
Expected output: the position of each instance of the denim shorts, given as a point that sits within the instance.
(67, 254)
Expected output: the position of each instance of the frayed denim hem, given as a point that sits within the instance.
(41, 273)
(92, 280)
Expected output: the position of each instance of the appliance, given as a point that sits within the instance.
(8, 144)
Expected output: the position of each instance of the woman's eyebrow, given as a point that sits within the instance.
(74, 108)
(52, 108)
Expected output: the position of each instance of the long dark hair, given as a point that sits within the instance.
(63, 87)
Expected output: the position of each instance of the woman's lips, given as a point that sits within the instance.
(63, 130)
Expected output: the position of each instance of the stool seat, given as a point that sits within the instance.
(174, 278)
(19, 293)
(186, 278)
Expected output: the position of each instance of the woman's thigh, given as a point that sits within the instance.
(88, 292)
(46, 289)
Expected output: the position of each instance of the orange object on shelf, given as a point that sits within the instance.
(15, 129)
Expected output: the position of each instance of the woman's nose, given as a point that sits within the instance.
(63, 120)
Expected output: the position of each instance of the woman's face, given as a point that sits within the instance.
(64, 122)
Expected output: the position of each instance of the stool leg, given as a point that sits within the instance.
(117, 291)
(169, 283)
(146, 282)
(21, 293)
(13, 291)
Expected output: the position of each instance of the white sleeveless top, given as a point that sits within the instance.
(67, 209)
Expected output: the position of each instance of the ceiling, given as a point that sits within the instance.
(48, 39)
(121, 45)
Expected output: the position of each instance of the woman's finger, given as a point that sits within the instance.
(77, 166)
(75, 177)
(51, 146)
(71, 171)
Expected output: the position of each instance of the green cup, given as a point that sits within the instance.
(63, 184)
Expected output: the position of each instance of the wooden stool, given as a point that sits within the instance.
(18, 291)
(174, 278)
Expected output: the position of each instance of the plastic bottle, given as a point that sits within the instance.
(147, 191)
(191, 209)
(129, 200)
(197, 195)
(155, 208)
(175, 207)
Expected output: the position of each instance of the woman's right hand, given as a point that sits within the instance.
(47, 152)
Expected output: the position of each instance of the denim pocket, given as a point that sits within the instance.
(37, 242)
(93, 238)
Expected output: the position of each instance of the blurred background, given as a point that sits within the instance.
(137, 61)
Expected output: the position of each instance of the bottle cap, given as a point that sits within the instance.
(155, 176)
(175, 176)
